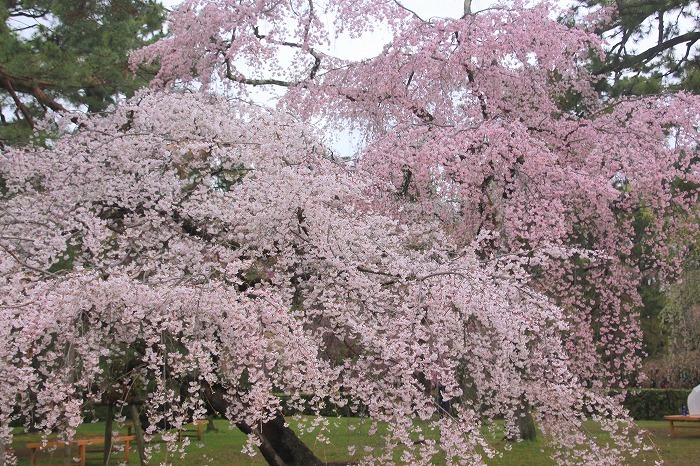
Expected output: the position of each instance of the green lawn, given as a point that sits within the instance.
(223, 448)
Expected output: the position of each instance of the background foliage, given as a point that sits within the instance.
(68, 53)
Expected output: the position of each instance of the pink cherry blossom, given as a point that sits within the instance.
(491, 233)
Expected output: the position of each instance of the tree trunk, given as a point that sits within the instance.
(108, 434)
(210, 424)
(524, 421)
(67, 457)
(138, 433)
(279, 444)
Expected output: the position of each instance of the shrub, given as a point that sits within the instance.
(654, 403)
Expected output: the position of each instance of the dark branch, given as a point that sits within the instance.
(635, 61)
(8, 85)
(29, 86)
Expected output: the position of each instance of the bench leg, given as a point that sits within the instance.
(126, 450)
(83, 447)
(673, 431)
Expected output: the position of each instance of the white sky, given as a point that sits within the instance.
(372, 44)
(425, 8)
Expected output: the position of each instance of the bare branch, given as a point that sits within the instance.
(413, 13)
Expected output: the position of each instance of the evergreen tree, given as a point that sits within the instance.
(57, 54)
(653, 45)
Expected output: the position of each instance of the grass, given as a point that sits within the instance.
(223, 448)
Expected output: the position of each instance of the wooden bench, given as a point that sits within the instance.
(83, 449)
(195, 431)
(684, 419)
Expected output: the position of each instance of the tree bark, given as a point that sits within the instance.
(138, 434)
(67, 457)
(10, 88)
(467, 8)
(279, 444)
(210, 424)
(525, 422)
(635, 61)
(108, 434)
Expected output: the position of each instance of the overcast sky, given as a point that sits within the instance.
(425, 8)
(372, 44)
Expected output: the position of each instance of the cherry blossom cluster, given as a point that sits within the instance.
(180, 243)
(489, 237)
(490, 122)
